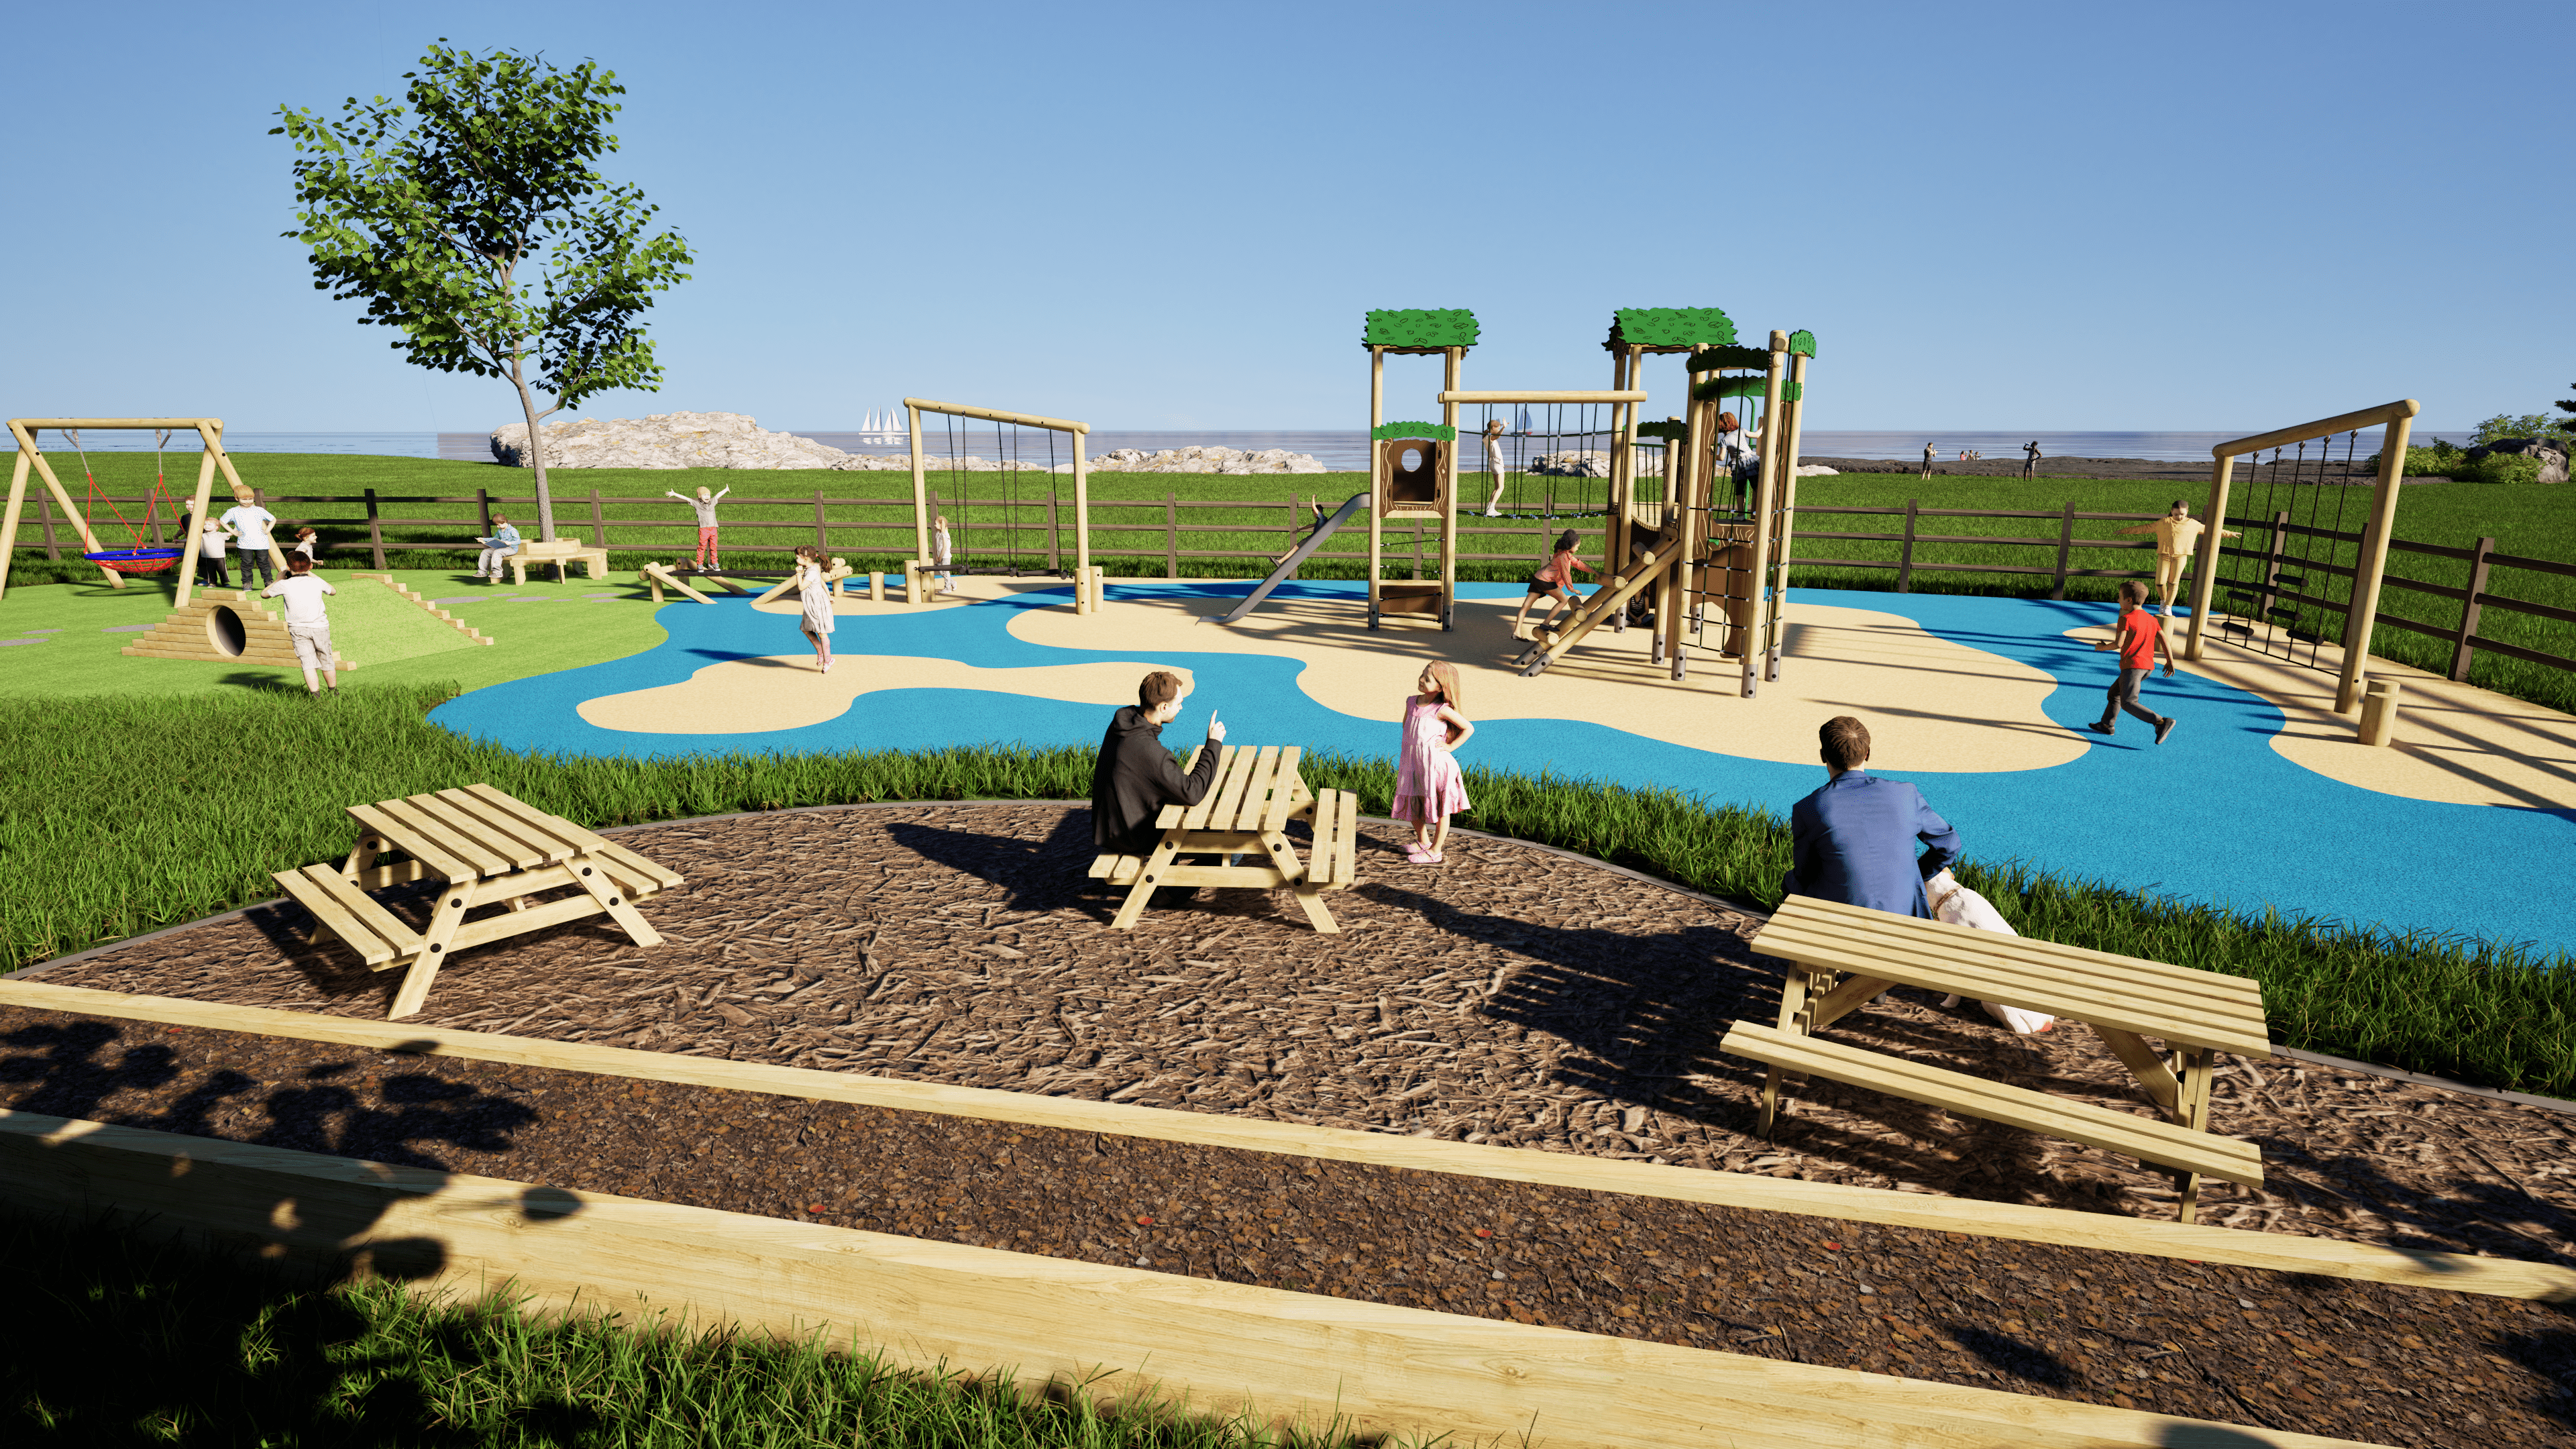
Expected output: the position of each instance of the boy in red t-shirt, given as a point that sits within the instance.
(2140, 637)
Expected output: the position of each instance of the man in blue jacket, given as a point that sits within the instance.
(1853, 840)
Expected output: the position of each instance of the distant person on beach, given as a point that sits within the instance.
(2030, 459)
(1494, 465)
(1853, 840)
(2140, 637)
(1929, 453)
(2177, 539)
(1134, 777)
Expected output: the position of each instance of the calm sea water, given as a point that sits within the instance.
(1338, 449)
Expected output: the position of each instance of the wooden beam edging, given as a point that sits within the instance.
(1377, 1368)
(2277, 1252)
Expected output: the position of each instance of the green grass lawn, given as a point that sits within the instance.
(2483, 1012)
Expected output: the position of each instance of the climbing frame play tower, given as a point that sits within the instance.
(1413, 466)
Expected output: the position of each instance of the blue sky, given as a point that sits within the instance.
(2178, 217)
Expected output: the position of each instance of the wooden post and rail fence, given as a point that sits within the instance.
(368, 527)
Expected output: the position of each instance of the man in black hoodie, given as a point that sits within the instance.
(1135, 777)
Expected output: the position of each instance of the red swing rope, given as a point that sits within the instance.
(89, 505)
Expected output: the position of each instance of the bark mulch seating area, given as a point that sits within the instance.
(1513, 996)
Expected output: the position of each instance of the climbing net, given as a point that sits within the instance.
(1545, 462)
(2286, 582)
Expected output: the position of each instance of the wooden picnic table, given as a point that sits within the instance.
(1246, 811)
(1842, 957)
(488, 849)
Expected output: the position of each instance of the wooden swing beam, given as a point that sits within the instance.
(1087, 588)
(209, 431)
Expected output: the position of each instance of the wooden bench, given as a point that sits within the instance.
(1246, 811)
(1843, 957)
(561, 551)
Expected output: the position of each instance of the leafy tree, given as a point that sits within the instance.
(2529, 425)
(426, 209)
(2567, 405)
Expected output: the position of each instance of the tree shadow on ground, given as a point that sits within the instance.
(72, 1070)
(131, 1339)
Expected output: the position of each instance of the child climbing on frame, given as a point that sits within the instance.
(705, 504)
(1494, 465)
(306, 623)
(940, 583)
(1553, 581)
(815, 594)
(1429, 787)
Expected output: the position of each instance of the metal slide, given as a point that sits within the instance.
(1289, 565)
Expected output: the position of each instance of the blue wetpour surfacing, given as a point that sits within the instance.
(2213, 815)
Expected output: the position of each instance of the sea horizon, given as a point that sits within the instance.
(1338, 449)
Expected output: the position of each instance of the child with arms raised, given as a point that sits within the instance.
(1428, 785)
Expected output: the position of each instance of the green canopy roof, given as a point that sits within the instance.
(1670, 327)
(1420, 327)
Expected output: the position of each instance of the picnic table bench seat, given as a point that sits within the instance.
(1844, 956)
(2166, 1144)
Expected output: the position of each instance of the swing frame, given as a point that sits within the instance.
(1088, 586)
(31, 457)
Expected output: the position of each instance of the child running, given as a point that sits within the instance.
(306, 624)
(1551, 581)
(2140, 637)
(816, 595)
(307, 543)
(1428, 785)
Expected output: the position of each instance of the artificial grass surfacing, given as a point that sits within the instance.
(286, 767)
(141, 1343)
(560, 628)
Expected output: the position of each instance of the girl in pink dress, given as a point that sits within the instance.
(1428, 787)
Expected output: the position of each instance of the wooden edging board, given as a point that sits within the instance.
(1230, 1347)
(2280, 1252)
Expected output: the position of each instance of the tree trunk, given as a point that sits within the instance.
(536, 455)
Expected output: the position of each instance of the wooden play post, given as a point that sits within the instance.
(1451, 363)
(1377, 470)
(2362, 615)
(1765, 491)
(1794, 423)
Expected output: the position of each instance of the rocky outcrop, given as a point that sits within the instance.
(732, 440)
(1572, 463)
(1205, 460)
(667, 440)
(2553, 458)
